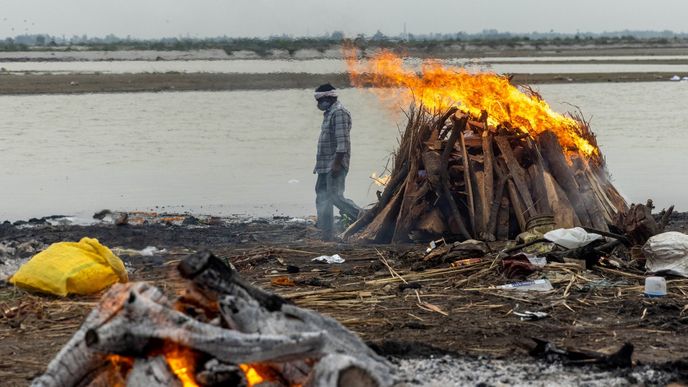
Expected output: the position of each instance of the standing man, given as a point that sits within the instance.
(332, 161)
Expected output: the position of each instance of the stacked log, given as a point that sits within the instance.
(457, 177)
(209, 336)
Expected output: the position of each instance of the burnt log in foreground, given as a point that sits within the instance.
(137, 337)
(457, 177)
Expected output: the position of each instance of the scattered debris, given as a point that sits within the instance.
(519, 266)
(655, 287)
(541, 285)
(283, 281)
(83, 267)
(329, 259)
(466, 262)
(618, 359)
(361, 291)
(531, 316)
(150, 251)
(667, 253)
(571, 238)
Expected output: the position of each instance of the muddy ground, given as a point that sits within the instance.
(456, 311)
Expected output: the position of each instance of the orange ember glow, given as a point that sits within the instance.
(182, 362)
(438, 87)
(121, 366)
(252, 375)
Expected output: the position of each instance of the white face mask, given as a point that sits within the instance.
(324, 104)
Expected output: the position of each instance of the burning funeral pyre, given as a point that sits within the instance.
(481, 159)
(221, 332)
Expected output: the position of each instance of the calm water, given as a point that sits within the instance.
(252, 152)
(321, 66)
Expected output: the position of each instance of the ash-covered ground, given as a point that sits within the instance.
(477, 339)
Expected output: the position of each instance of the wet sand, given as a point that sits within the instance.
(11, 84)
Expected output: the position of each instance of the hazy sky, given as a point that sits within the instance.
(201, 18)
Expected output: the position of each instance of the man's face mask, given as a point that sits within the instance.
(324, 104)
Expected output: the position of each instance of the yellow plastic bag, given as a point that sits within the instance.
(82, 267)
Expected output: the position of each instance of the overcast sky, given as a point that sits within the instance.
(203, 18)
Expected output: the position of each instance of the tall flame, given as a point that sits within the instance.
(438, 88)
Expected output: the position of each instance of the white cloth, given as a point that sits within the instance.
(329, 93)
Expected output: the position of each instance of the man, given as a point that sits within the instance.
(332, 161)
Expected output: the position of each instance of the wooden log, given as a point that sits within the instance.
(152, 372)
(518, 178)
(417, 206)
(639, 224)
(553, 154)
(212, 278)
(611, 199)
(143, 320)
(432, 160)
(110, 375)
(379, 230)
(564, 215)
(592, 205)
(442, 121)
(495, 205)
(76, 363)
(488, 184)
(400, 225)
(600, 176)
(539, 189)
(467, 177)
(664, 217)
(432, 224)
(537, 179)
(245, 313)
(342, 371)
(608, 207)
(387, 195)
(453, 216)
(503, 221)
(216, 373)
(478, 183)
(516, 204)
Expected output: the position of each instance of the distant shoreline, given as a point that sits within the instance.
(438, 51)
(11, 84)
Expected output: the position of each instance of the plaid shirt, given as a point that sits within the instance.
(334, 138)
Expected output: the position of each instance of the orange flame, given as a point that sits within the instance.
(182, 362)
(253, 377)
(438, 87)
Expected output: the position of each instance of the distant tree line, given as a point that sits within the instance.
(291, 44)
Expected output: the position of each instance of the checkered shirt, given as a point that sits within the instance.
(334, 138)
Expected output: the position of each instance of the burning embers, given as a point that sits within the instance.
(497, 164)
(222, 332)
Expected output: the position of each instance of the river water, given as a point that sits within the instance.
(252, 152)
(330, 66)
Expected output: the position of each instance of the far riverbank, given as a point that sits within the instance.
(13, 84)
